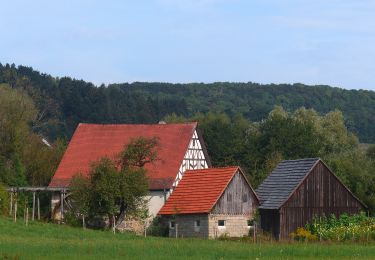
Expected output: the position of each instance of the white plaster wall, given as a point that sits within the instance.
(155, 202)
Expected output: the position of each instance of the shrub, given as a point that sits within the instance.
(356, 228)
(4, 201)
(301, 234)
(157, 228)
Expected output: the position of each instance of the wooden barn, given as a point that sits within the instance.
(209, 203)
(181, 147)
(298, 190)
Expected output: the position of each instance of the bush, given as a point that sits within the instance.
(157, 228)
(72, 219)
(4, 201)
(301, 234)
(355, 228)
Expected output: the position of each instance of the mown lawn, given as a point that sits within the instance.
(50, 241)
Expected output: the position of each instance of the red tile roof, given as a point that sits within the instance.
(90, 142)
(198, 191)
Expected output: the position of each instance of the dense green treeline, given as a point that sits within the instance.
(65, 102)
(240, 123)
(259, 146)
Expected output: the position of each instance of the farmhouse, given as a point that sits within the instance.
(298, 190)
(181, 148)
(209, 203)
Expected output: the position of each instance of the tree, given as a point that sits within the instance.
(17, 111)
(116, 188)
(24, 158)
(371, 152)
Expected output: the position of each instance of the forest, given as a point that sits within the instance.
(247, 124)
(65, 102)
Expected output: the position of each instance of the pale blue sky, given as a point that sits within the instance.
(267, 41)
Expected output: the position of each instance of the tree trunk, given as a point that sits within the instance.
(121, 218)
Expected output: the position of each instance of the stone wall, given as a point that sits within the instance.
(235, 225)
(185, 225)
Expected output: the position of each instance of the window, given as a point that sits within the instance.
(197, 223)
(221, 223)
(172, 224)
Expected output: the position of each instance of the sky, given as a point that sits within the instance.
(266, 41)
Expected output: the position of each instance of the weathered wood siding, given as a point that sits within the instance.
(321, 193)
(237, 199)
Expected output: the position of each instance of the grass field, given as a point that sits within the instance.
(50, 241)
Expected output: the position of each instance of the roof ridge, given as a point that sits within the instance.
(214, 168)
(302, 159)
(154, 124)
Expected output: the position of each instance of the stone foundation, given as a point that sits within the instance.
(185, 225)
(235, 225)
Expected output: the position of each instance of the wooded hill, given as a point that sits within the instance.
(64, 102)
(241, 123)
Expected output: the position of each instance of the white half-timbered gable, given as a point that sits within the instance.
(194, 158)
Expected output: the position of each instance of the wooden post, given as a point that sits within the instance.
(83, 221)
(11, 204)
(24, 213)
(15, 208)
(145, 228)
(62, 206)
(254, 232)
(113, 224)
(27, 216)
(33, 214)
(38, 206)
(176, 227)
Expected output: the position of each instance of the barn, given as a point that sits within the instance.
(298, 190)
(209, 203)
(181, 147)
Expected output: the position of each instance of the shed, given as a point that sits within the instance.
(209, 203)
(299, 190)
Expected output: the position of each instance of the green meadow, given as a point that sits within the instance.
(52, 241)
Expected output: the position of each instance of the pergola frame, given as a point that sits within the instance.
(14, 193)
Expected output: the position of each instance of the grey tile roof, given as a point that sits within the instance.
(277, 187)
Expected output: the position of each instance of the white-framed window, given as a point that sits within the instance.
(221, 223)
(197, 223)
(172, 224)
